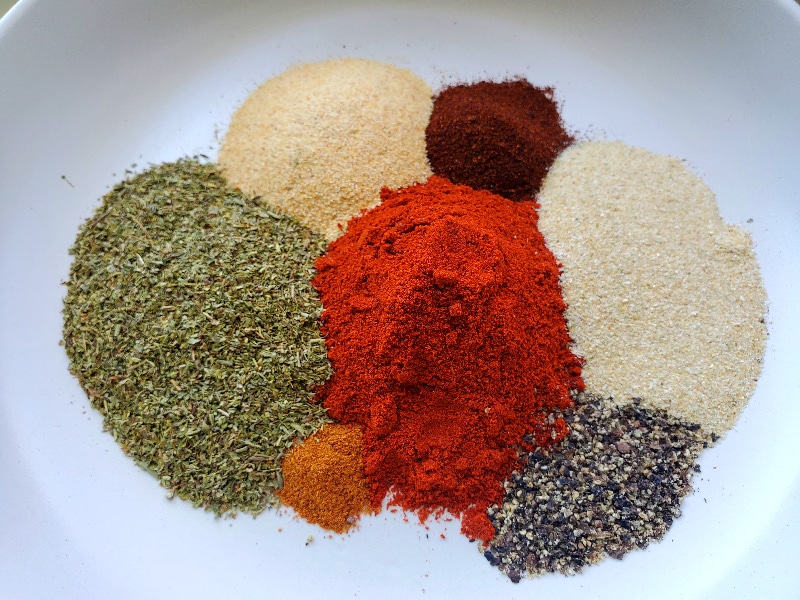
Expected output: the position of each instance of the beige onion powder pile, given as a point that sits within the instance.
(320, 141)
(665, 300)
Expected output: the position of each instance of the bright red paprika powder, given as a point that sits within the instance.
(444, 324)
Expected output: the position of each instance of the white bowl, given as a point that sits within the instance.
(89, 88)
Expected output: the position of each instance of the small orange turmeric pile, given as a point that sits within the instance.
(323, 478)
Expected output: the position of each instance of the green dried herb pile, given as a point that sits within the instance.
(191, 323)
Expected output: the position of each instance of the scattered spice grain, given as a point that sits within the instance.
(191, 323)
(320, 141)
(665, 300)
(614, 484)
(496, 136)
(323, 478)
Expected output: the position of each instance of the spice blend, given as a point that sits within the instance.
(191, 323)
(500, 137)
(444, 324)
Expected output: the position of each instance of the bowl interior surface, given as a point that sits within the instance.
(93, 89)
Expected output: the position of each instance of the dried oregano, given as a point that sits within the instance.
(191, 323)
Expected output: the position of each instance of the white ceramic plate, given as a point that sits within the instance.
(87, 88)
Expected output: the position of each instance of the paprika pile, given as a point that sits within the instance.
(444, 323)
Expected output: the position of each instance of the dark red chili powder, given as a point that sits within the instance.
(496, 136)
(444, 324)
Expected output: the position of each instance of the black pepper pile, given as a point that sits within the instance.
(613, 485)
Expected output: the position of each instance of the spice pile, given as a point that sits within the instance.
(194, 317)
(323, 477)
(500, 137)
(191, 323)
(320, 141)
(613, 485)
(418, 294)
(665, 300)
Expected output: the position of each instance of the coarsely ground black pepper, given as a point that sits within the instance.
(614, 484)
